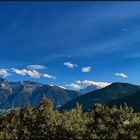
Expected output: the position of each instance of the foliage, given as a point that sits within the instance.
(43, 122)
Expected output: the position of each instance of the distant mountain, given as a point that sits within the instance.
(18, 94)
(104, 95)
(131, 100)
(5, 90)
(57, 95)
(88, 89)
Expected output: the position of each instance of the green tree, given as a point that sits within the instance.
(44, 120)
(9, 125)
(73, 124)
(114, 123)
(25, 126)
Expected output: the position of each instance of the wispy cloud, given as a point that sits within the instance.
(121, 75)
(132, 55)
(86, 69)
(19, 72)
(78, 82)
(32, 73)
(4, 73)
(70, 65)
(73, 85)
(36, 67)
(84, 83)
(48, 76)
(98, 84)
(23, 72)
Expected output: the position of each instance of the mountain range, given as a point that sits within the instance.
(105, 95)
(18, 94)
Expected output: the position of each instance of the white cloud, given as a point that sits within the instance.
(4, 73)
(73, 85)
(86, 69)
(121, 75)
(70, 65)
(23, 72)
(78, 82)
(85, 83)
(48, 76)
(36, 67)
(32, 73)
(20, 72)
(98, 84)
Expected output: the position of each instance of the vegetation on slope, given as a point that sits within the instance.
(131, 100)
(43, 122)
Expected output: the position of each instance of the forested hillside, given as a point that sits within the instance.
(43, 122)
(104, 96)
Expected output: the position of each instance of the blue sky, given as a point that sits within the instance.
(103, 38)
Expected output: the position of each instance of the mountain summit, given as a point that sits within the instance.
(18, 94)
(104, 95)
